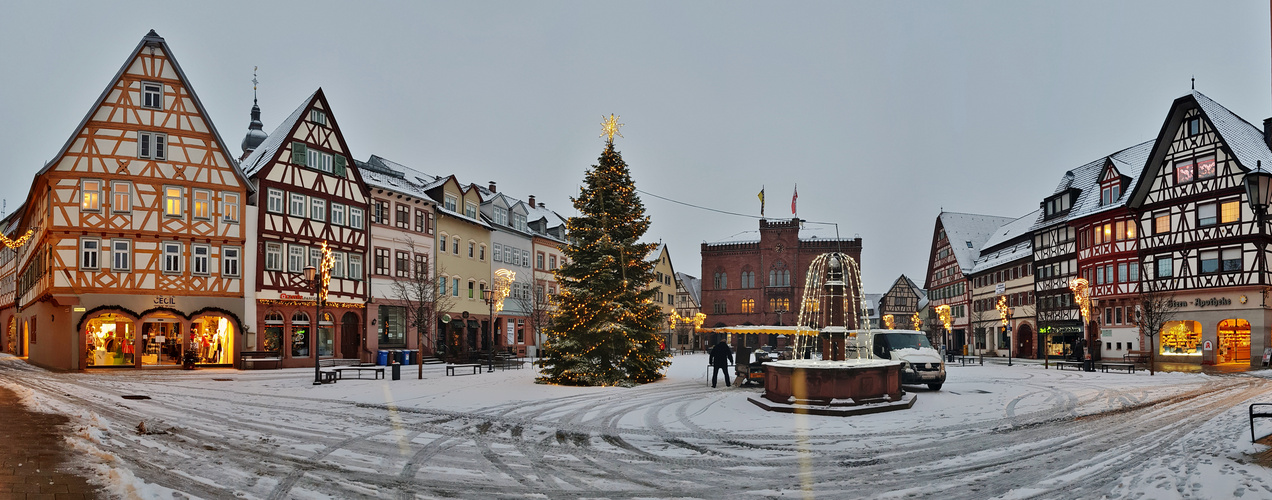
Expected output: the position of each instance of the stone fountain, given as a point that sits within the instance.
(848, 380)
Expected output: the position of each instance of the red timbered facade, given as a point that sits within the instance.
(136, 255)
(307, 193)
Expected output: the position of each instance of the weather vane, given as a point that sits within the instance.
(609, 127)
(254, 82)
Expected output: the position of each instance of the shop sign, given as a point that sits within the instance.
(1177, 303)
(1000, 288)
(1213, 302)
(1106, 333)
(165, 300)
(1207, 346)
(292, 296)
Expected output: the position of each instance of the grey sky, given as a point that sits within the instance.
(883, 112)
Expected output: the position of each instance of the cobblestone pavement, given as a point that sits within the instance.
(33, 455)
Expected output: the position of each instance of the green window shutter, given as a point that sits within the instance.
(300, 154)
(340, 166)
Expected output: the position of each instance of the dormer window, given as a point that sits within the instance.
(450, 202)
(470, 210)
(501, 216)
(1110, 193)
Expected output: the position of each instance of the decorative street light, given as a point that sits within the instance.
(489, 296)
(1258, 185)
(318, 279)
(1004, 313)
(943, 311)
(1082, 295)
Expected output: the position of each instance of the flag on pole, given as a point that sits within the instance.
(793, 198)
(761, 201)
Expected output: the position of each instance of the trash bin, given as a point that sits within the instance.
(412, 357)
(382, 358)
(397, 371)
(399, 356)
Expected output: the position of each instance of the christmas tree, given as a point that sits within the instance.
(604, 330)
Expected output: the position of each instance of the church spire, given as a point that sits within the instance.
(255, 134)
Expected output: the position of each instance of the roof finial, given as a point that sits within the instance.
(254, 82)
(1194, 82)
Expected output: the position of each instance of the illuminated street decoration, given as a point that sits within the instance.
(609, 127)
(1082, 296)
(18, 242)
(1003, 310)
(325, 268)
(889, 322)
(943, 311)
(916, 322)
(503, 285)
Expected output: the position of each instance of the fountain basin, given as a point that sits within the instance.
(848, 387)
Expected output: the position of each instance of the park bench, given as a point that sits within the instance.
(1263, 410)
(259, 356)
(1072, 364)
(965, 360)
(330, 362)
(450, 369)
(377, 371)
(1135, 356)
(328, 376)
(1129, 367)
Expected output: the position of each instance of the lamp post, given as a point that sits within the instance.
(1004, 313)
(488, 295)
(311, 273)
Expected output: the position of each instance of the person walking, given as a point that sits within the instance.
(721, 356)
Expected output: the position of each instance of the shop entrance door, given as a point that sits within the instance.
(161, 342)
(1234, 341)
(350, 337)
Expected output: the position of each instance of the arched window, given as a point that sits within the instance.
(300, 335)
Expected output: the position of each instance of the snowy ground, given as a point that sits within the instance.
(992, 432)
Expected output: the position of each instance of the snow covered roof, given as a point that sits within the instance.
(967, 234)
(1011, 230)
(1245, 140)
(654, 254)
(265, 151)
(1129, 162)
(999, 249)
(692, 286)
(381, 173)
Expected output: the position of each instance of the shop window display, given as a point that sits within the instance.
(326, 335)
(1234, 341)
(110, 341)
(1180, 338)
(272, 340)
(161, 342)
(212, 339)
(300, 335)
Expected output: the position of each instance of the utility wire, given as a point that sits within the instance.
(709, 209)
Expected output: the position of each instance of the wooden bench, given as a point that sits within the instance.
(1129, 367)
(1073, 364)
(1264, 410)
(450, 369)
(329, 362)
(1135, 356)
(377, 371)
(254, 356)
(964, 360)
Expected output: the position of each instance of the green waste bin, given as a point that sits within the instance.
(397, 371)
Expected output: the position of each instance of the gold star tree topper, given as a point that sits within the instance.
(609, 127)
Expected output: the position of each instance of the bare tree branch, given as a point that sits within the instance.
(1153, 310)
(421, 296)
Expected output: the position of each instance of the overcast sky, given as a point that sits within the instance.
(883, 112)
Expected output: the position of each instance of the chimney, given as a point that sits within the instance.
(492, 187)
(531, 200)
(1267, 132)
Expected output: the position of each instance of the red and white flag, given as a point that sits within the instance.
(793, 198)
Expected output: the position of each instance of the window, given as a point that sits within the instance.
(1231, 260)
(319, 160)
(202, 202)
(273, 256)
(455, 245)
(1099, 275)
(552, 262)
(337, 214)
(90, 250)
(381, 261)
(1161, 223)
(121, 197)
(392, 328)
(538, 260)
(172, 257)
(1207, 214)
(1206, 167)
(315, 257)
(470, 209)
(380, 212)
(355, 218)
(481, 253)
(300, 335)
(296, 258)
(355, 267)
(472, 249)
(317, 209)
(173, 199)
(1117, 317)
(152, 95)
(317, 116)
(421, 266)
(441, 285)
(1194, 126)
(450, 202)
(297, 205)
(501, 216)
(402, 264)
(337, 264)
(1229, 211)
(199, 256)
(421, 221)
(1121, 272)
(454, 287)
(1165, 267)
(498, 254)
(442, 243)
(1210, 261)
(91, 195)
(120, 255)
(230, 261)
(298, 154)
(1134, 272)
(748, 306)
(274, 201)
(229, 207)
(403, 216)
(1110, 194)
(519, 222)
(1183, 172)
(151, 145)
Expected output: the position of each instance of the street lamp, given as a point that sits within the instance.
(317, 278)
(488, 295)
(1004, 312)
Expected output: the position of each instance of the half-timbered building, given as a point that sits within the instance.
(307, 197)
(1108, 253)
(1199, 238)
(956, 242)
(1003, 271)
(1055, 261)
(136, 253)
(688, 305)
(401, 257)
(902, 301)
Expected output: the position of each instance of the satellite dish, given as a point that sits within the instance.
(445, 318)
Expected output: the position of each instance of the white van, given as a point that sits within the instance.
(920, 362)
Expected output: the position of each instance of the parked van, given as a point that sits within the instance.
(920, 362)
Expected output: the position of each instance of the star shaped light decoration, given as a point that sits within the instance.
(609, 127)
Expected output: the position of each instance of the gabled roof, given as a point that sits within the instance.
(692, 286)
(1243, 140)
(967, 234)
(263, 153)
(1129, 162)
(1009, 243)
(1011, 230)
(656, 253)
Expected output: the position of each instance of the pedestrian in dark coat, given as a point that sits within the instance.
(721, 356)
